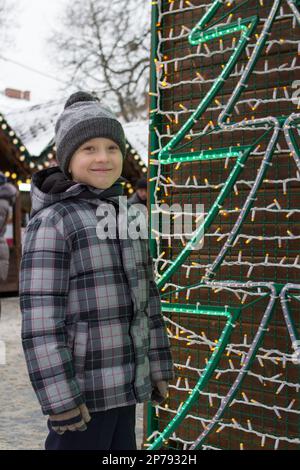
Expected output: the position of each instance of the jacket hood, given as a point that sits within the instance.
(50, 186)
(8, 191)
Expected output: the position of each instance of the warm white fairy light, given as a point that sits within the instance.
(237, 353)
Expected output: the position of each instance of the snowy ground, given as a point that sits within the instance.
(22, 424)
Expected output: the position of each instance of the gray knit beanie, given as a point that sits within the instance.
(84, 118)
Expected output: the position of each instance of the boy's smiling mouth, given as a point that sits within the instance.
(100, 169)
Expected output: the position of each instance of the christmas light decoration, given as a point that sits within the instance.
(227, 360)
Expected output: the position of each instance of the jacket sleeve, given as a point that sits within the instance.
(4, 259)
(43, 287)
(160, 357)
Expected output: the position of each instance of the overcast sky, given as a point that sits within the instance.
(36, 18)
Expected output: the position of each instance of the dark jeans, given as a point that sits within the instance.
(108, 430)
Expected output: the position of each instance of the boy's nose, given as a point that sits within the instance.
(101, 156)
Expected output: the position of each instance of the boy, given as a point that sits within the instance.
(93, 335)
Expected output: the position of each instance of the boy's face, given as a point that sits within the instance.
(98, 162)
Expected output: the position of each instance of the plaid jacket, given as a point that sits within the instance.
(92, 326)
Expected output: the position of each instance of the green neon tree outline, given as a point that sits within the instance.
(213, 362)
(220, 153)
(201, 33)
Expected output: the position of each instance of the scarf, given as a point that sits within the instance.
(58, 183)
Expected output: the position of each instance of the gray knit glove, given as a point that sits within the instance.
(73, 420)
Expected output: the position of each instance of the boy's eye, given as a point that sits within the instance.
(112, 147)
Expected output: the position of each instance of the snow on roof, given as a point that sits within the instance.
(34, 124)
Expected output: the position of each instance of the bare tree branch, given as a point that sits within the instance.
(8, 23)
(101, 46)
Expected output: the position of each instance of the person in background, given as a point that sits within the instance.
(140, 196)
(8, 194)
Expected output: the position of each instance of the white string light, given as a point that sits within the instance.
(237, 352)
